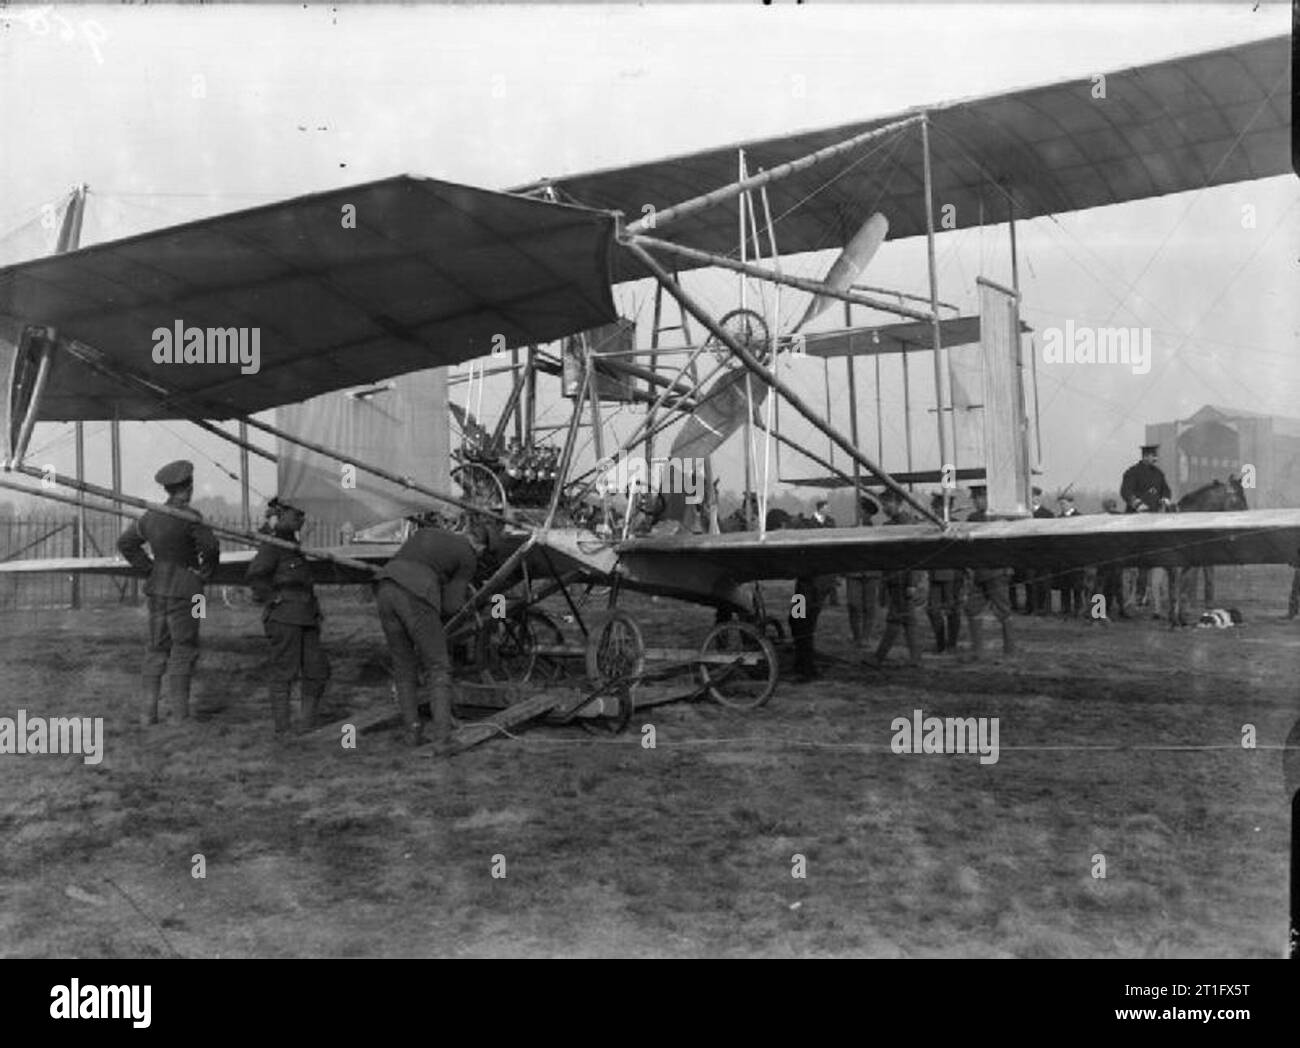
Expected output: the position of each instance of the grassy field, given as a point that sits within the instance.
(686, 849)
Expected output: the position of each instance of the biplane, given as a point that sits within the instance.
(433, 274)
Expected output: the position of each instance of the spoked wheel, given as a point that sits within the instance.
(481, 488)
(507, 648)
(746, 327)
(615, 649)
(615, 662)
(619, 704)
(545, 634)
(737, 666)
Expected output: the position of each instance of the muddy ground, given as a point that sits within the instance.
(1120, 741)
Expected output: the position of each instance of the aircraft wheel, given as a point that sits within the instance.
(617, 723)
(507, 647)
(737, 686)
(615, 649)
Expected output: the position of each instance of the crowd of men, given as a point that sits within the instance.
(427, 580)
(946, 596)
(423, 585)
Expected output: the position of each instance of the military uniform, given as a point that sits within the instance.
(1073, 583)
(862, 589)
(1143, 488)
(1144, 485)
(184, 557)
(906, 593)
(987, 587)
(425, 581)
(281, 581)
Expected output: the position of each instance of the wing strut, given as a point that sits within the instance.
(118, 499)
(746, 358)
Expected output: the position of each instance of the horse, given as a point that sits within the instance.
(1214, 497)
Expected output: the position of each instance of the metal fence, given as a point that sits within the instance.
(33, 537)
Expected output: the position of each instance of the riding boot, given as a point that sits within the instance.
(178, 691)
(855, 624)
(278, 691)
(977, 638)
(887, 641)
(1008, 642)
(911, 634)
(954, 630)
(151, 689)
(937, 624)
(440, 699)
(312, 692)
(408, 701)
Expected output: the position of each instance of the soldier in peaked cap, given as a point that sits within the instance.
(1145, 490)
(1143, 487)
(862, 588)
(184, 557)
(988, 586)
(281, 581)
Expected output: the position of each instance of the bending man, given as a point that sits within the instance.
(424, 584)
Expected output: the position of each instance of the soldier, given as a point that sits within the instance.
(1110, 576)
(185, 555)
(905, 594)
(424, 584)
(987, 586)
(1073, 581)
(1144, 489)
(862, 589)
(1038, 584)
(944, 603)
(821, 518)
(281, 581)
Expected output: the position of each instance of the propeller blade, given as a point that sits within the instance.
(852, 261)
(718, 415)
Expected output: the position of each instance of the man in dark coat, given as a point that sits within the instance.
(184, 557)
(1038, 587)
(424, 584)
(281, 581)
(862, 588)
(944, 603)
(906, 593)
(1144, 489)
(1072, 582)
(987, 587)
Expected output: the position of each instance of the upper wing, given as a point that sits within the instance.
(711, 564)
(1201, 120)
(418, 274)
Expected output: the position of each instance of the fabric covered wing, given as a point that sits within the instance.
(1201, 120)
(1255, 537)
(432, 274)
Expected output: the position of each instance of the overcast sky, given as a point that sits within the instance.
(175, 113)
